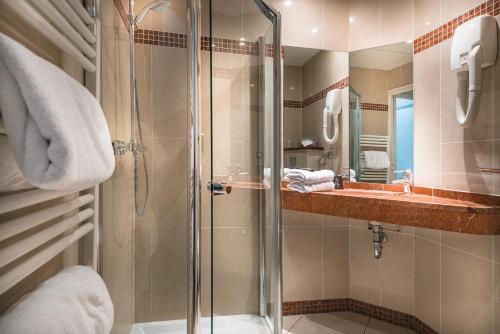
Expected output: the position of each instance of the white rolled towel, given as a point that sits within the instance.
(75, 301)
(55, 126)
(310, 177)
(309, 188)
(376, 160)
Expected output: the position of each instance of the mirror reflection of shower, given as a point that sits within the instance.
(137, 147)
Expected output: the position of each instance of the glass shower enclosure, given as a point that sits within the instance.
(235, 213)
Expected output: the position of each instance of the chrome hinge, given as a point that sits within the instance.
(219, 188)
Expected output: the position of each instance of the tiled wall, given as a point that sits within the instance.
(373, 86)
(117, 197)
(448, 280)
(447, 155)
(323, 23)
(292, 112)
(379, 22)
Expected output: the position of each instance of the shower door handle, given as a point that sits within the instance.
(219, 188)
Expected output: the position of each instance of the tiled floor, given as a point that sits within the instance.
(339, 323)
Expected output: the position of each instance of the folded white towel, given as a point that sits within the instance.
(308, 177)
(309, 188)
(11, 177)
(56, 127)
(74, 301)
(376, 160)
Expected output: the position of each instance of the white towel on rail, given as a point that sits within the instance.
(309, 188)
(74, 301)
(56, 127)
(310, 177)
(376, 160)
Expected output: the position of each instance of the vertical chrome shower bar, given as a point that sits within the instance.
(276, 179)
(262, 197)
(275, 17)
(194, 67)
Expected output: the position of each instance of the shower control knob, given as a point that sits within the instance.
(219, 188)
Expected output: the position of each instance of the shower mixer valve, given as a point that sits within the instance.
(120, 147)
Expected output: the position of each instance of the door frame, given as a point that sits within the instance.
(391, 94)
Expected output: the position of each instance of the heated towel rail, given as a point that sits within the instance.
(37, 225)
(370, 174)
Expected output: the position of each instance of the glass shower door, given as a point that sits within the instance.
(240, 237)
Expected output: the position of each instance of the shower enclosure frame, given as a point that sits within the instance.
(194, 152)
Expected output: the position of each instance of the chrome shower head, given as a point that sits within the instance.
(157, 6)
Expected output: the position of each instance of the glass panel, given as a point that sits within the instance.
(238, 129)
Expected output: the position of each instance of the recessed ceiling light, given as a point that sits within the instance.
(287, 3)
(314, 30)
(291, 88)
(427, 23)
(351, 19)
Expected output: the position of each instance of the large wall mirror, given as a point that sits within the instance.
(381, 113)
(308, 76)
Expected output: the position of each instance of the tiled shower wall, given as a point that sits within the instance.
(448, 280)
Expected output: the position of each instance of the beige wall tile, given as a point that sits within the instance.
(450, 9)
(364, 268)
(459, 162)
(330, 221)
(363, 25)
(467, 310)
(427, 97)
(169, 273)
(428, 282)
(239, 209)
(302, 264)
(429, 234)
(169, 96)
(310, 31)
(396, 18)
(335, 24)
(397, 285)
(427, 165)
(292, 126)
(427, 16)
(312, 120)
(293, 218)
(292, 83)
(479, 245)
(336, 262)
(236, 280)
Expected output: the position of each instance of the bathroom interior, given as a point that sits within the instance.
(249, 166)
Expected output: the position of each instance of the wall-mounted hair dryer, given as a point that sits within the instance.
(333, 106)
(473, 48)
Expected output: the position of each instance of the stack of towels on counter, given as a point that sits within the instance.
(306, 181)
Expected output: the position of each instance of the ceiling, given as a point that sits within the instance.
(295, 56)
(384, 57)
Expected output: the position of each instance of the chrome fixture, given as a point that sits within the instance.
(137, 148)
(407, 181)
(322, 159)
(92, 6)
(379, 237)
(219, 188)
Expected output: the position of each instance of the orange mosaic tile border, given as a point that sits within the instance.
(352, 305)
(444, 32)
(292, 104)
(375, 106)
(322, 94)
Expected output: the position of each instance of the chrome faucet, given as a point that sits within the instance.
(407, 181)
